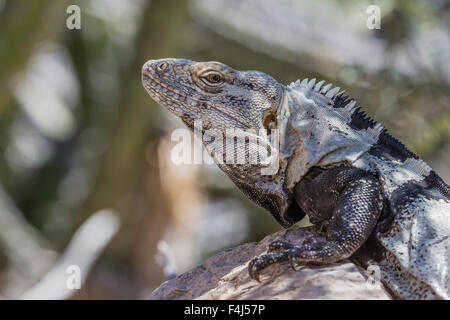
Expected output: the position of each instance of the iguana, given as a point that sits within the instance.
(370, 198)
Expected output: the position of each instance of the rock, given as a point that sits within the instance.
(225, 276)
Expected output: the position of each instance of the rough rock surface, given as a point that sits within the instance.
(225, 276)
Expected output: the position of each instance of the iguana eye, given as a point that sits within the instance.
(212, 78)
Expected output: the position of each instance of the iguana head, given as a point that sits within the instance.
(212, 92)
(224, 99)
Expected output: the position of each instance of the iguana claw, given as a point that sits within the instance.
(292, 262)
(253, 271)
(263, 261)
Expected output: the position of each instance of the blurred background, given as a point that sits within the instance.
(85, 173)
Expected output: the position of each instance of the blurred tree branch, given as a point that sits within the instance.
(85, 247)
(28, 252)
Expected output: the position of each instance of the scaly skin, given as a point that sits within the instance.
(372, 199)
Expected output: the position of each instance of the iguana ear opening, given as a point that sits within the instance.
(270, 121)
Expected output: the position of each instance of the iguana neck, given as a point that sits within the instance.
(312, 136)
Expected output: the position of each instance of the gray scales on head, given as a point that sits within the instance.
(371, 198)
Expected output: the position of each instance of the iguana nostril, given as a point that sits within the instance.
(162, 66)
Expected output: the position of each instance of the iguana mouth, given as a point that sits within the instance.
(173, 98)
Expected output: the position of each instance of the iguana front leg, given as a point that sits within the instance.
(346, 202)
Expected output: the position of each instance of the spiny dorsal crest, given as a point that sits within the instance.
(358, 119)
(348, 106)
